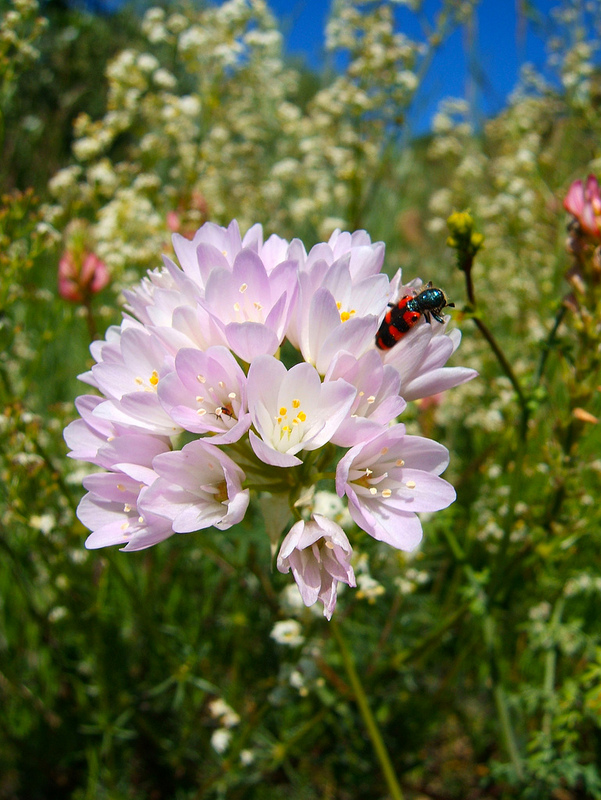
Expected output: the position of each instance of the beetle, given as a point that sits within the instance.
(408, 312)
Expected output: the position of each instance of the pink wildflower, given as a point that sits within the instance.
(319, 554)
(81, 275)
(390, 478)
(194, 372)
(583, 201)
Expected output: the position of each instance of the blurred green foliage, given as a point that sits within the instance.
(481, 659)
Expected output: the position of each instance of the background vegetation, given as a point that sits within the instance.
(167, 673)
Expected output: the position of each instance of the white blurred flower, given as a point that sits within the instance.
(288, 632)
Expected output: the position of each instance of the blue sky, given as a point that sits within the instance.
(503, 42)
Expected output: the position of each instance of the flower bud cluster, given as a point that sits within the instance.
(196, 411)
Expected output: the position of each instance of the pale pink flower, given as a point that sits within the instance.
(111, 507)
(110, 510)
(198, 486)
(292, 410)
(319, 554)
(107, 444)
(250, 306)
(337, 310)
(212, 246)
(377, 402)
(390, 478)
(420, 358)
(129, 380)
(207, 394)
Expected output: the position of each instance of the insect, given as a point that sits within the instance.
(407, 312)
(223, 411)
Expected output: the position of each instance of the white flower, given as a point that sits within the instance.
(288, 632)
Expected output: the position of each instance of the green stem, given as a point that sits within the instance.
(501, 698)
(506, 727)
(465, 264)
(550, 668)
(368, 718)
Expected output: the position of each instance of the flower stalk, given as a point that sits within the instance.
(368, 718)
(467, 242)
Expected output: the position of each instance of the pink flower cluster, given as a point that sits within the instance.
(583, 201)
(195, 411)
(81, 275)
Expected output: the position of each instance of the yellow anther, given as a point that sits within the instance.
(410, 484)
(236, 306)
(302, 416)
(243, 288)
(201, 412)
(154, 378)
(121, 487)
(140, 520)
(329, 545)
(371, 399)
(400, 463)
(257, 305)
(232, 396)
(373, 490)
(345, 316)
(127, 508)
(383, 451)
(295, 403)
(283, 411)
(386, 492)
(201, 378)
(286, 429)
(125, 526)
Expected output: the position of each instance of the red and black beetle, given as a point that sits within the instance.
(407, 312)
